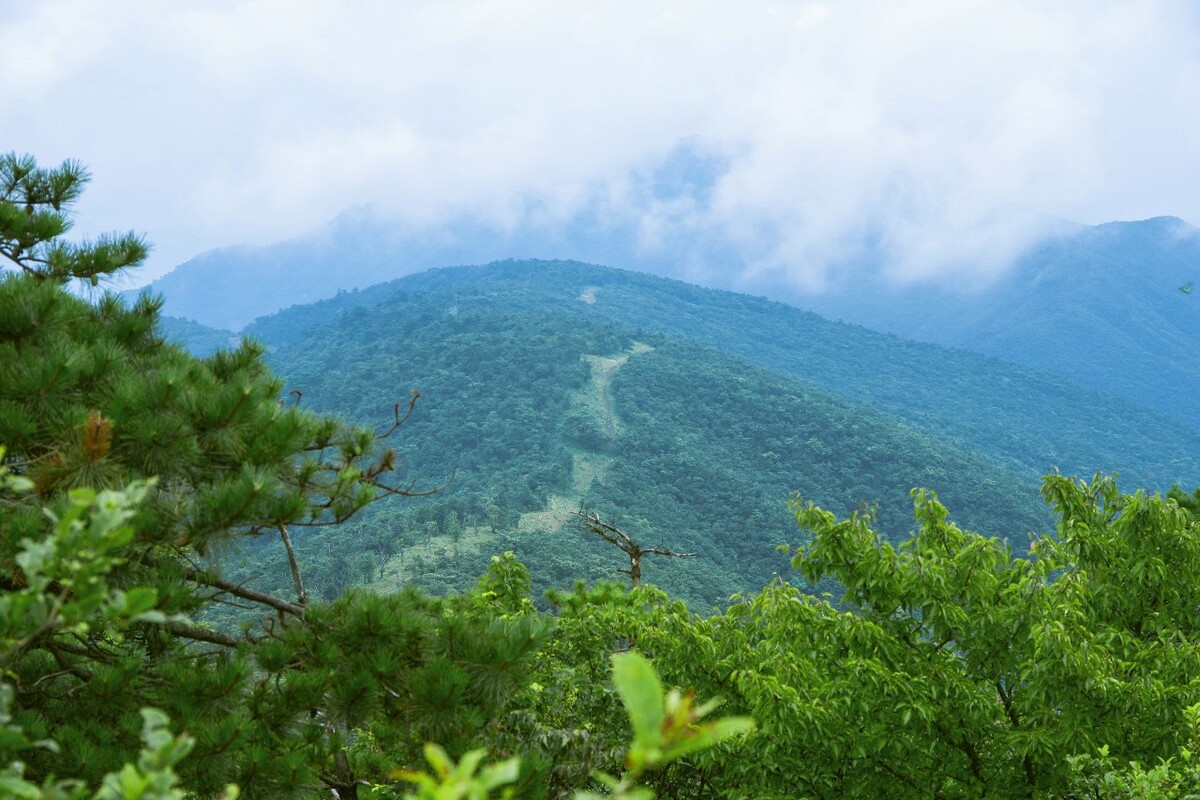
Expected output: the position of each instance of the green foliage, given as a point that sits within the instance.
(949, 666)
(515, 408)
(459, 781)
(67, 594)
(33, 202)
(100, 595)
(1029, 420)
(666, 727)
(1178, 778)
(153, 777)
(65, 588)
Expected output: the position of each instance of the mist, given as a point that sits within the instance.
(796, 143)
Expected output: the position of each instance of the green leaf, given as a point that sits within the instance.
(12, 786)
(140, 599)
(642, 694)
(438, 759)
(501, 773)
(708, 735)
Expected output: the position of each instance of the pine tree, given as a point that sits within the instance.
(307, 697)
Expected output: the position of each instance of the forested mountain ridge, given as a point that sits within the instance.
(1100, 305)
(200, 340)
(1030, 420)
(539, 413)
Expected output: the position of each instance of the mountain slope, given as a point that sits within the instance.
(1099, 305)
(198, 339)
(1110, 307)
(537, 412)
(1030, 420)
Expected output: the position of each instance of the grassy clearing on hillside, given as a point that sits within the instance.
(586, 466)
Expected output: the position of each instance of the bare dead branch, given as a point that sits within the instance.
(399, 419)
(590, 521)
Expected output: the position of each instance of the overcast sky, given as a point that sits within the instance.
(940, 130)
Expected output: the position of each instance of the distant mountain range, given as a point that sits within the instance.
(1111, 307)
(686, 414)
(1108, 306)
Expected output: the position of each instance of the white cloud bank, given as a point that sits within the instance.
(933, 134)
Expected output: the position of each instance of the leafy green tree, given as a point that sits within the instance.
(949, 666)
(1176, 778)
(494, 516)
(666, 727)
(384, 541)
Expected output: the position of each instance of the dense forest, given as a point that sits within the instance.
(529, 416)
(1032, 421)
(143, 490)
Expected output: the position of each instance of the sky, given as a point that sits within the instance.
(940, 138)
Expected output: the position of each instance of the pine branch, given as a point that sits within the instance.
(301, 595)
(238, 590)
(198, 634)
(65, 665)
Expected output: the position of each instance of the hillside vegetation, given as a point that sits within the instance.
(1098, 305)
(1109, 306)
(1032, 421)
(531, 416)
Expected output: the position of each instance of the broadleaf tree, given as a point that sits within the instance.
(950, 665)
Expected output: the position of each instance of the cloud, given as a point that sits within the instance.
(926, 137)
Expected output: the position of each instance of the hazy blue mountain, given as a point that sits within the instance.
(1030, 420)
(1109, 306)
(198, 339)
(229, 287)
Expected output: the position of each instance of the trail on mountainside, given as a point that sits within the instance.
(599, 392)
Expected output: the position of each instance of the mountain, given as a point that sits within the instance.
(1030, 420)
(528, 415)
(1099, 305)
(684, 415)
(198, 339)
(1109, 306)
(229, 287)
